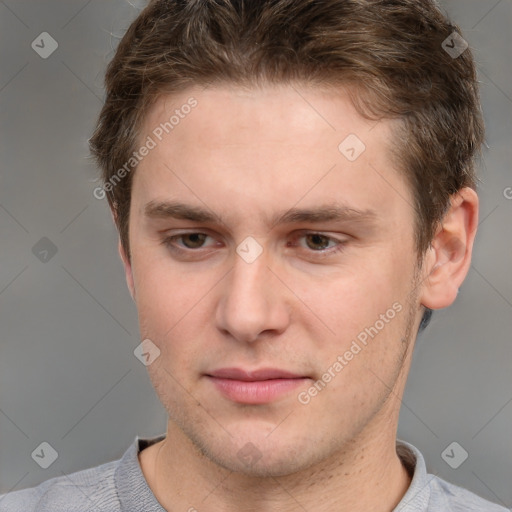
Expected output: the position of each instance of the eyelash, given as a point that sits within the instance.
(169, 243)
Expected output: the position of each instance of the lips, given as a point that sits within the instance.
(254, 375)
(255, 386)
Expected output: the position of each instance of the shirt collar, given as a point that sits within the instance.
(132, 488)
(417, 496)
(135, 494)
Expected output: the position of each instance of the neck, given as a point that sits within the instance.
(366, 475)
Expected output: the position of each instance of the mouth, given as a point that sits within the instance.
(255, 386)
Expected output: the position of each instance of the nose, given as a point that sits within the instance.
(253, 303)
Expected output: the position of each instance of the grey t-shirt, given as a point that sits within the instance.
(120, 486)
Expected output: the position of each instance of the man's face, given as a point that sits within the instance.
(284, 299)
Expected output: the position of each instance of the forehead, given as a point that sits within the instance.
(229, 113)
(270, 146)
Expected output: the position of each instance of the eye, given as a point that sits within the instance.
(318, 244)
(317, 241)
(191, 241)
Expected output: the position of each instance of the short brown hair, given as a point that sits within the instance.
(390, 51)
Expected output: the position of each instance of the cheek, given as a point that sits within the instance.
(360, 372)
(165, 294)
(169, 305)
(354, 300)
(367, 312)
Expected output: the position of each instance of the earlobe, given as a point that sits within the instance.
(448, 259)
(127, 270)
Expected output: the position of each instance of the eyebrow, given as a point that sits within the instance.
(325, 213)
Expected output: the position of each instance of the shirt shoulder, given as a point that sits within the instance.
(430, 493)
(446, 496)
(88, 489)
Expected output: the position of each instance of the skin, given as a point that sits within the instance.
(247, 155)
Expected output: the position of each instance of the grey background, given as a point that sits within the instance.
(68, 326)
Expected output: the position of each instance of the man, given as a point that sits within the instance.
(293, 184)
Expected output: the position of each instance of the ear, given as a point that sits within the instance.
(448, 259)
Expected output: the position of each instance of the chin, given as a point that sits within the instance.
(259, 456)
(269, 463)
